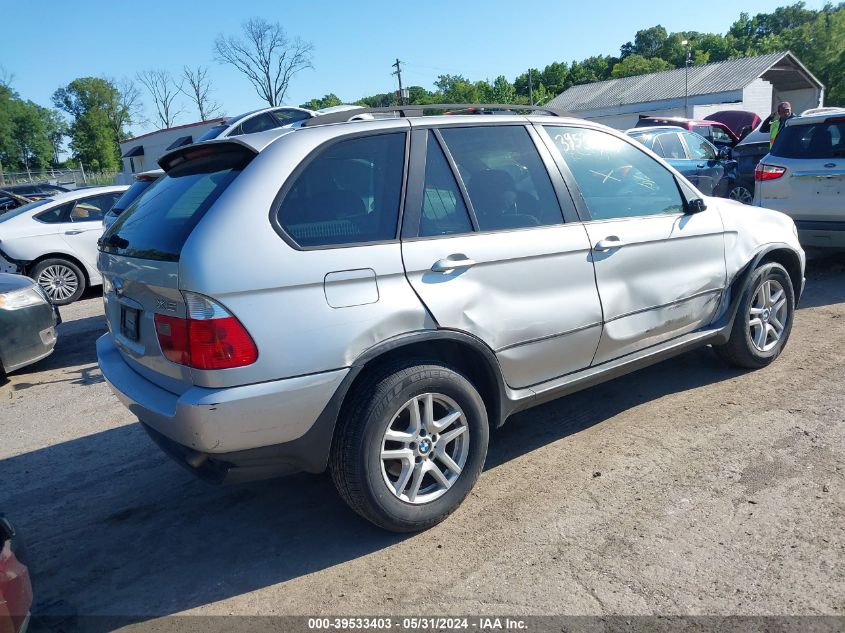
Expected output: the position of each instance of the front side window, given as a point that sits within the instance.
(720, 136)
(699, 148)
(508, 185)
(93, 209)
(349, 194)
(443, 210)
(616, 179)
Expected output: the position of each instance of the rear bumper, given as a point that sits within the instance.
(821, 234)
(268, 428)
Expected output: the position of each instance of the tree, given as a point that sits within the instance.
(266, 56)
(327, 101)
(129, 108)
(635, 64)
(94, 105)
(164, 90)
(647, 43)
(502, 90)
(198, 90)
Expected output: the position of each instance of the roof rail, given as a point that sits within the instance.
(440, 108)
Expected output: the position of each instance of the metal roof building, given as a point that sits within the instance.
(750, 83)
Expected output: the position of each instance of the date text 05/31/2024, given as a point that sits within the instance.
(417, 623)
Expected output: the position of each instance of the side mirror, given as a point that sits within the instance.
(696, 205)
(724, 153)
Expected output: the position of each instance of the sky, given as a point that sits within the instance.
(355, 43)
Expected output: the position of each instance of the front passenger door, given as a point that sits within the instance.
(660, 271)
(703, 154)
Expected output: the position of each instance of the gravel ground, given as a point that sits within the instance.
(685, 488)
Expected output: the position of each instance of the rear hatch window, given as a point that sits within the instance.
(158, 223)
(825, 139)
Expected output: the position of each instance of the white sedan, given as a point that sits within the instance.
(54, 240)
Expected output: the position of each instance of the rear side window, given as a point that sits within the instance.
(671, 146)
(818, 140)
(157, 224)
(443, 211)
(56, 214)
(260, 123)
(349, 194)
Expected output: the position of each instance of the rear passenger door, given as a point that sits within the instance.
(660, 271)
(487, 249)
(83, 226)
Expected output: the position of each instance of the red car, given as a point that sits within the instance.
(15, 586)
(717, 133)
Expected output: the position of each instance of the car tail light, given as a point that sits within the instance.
(210, 337)
(768, 172)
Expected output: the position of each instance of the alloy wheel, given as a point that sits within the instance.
(741, 194)
(424, 448)
(59, 282)
(767, 315)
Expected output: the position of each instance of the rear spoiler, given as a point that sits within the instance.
(186, 153)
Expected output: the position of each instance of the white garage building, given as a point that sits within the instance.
(756, 84)
(142, 152)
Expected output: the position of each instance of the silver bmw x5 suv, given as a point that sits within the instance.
(373, 297)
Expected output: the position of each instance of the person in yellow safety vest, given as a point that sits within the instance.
(784, 113)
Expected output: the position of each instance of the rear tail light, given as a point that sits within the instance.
(768, 172)
(210, 337)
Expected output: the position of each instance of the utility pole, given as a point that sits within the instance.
(398, 73)
(686, 77)
(530, 89)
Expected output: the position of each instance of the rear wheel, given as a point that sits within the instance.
(61, 279)
(410, 446)
(742, 194)
(764, 320)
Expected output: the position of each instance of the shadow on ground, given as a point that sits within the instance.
(115, 528)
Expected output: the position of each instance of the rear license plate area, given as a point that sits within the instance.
(129, 318)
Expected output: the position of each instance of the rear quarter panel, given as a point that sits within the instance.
(279, 293)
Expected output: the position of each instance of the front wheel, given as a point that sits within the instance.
(763, 321)
(410, 446)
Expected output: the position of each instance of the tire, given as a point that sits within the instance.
(755, 340)
(741, 193)
(383, 490)
(61, 279)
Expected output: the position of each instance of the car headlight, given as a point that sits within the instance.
(22, 298)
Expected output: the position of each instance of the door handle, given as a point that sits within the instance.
(609, 243)
(74, 232)
(451, 262)
(701, 165)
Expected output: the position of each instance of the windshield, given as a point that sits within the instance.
(21, 210)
